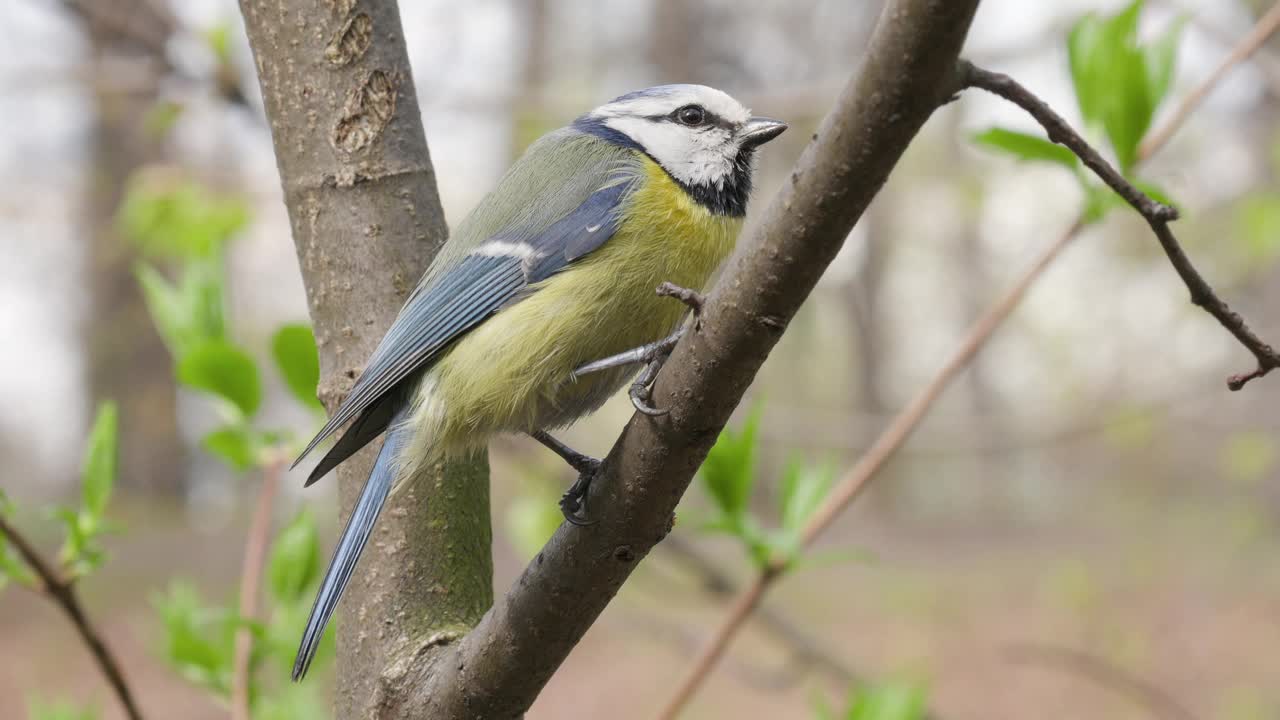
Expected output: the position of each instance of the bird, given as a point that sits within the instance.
(543, 300)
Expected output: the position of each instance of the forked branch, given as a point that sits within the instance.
(1157, 215)
(59, 588)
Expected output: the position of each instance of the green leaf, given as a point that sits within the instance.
(188, 312)
(1128, 107)
(294, 701)
(1082, 44)
(1131, 426)
(234, 444)
(1248, 457)
(175, 218)
(294, 349)
(203, 292)
(1155, 192)
(199, 641)
(1258, 226)
(1092, 45)
(161, 117)
(802, 490)
(12, 567)
(729, 470)
(887, 701)
(295, 559)
(164, 304)
(221, 368)
(101, 458)
(281, 633)
(1119, 83)
(218, 39)
(532, 518)
(58, 710)
(1026, 147)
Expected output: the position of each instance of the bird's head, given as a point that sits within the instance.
(702, 137)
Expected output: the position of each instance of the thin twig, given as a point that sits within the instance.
(1158, 216)
(1160, 703)
(901, 426)
(733, 621)
(61, 590)
(808, 651)
(1248, 45)
(255, 557)
(871, 462)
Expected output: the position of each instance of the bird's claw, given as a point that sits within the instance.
(641, 392)
(640, 398)
(573, 504)
(653, 355)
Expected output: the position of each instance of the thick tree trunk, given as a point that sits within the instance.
(125, 358)
(366, 220)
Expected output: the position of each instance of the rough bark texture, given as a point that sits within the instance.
(498, 669)
(366, 221)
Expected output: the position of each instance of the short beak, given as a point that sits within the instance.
(760, 130)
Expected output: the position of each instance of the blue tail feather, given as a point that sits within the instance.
(354, 537)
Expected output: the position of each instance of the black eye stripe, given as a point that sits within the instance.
(710, 119)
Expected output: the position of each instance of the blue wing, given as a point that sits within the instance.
(456, 301)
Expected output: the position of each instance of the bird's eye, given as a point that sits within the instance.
(691, 115)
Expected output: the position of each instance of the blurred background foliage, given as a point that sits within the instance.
(1087, 486)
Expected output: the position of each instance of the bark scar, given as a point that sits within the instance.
(351, 41)
(366, 113)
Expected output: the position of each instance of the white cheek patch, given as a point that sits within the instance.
(694, 157)
(503, 248)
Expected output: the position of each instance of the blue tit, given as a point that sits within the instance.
(555, 268)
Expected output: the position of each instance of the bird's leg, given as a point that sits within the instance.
(653, 354)
(575, 498)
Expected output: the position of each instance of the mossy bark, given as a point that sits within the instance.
(366, 221)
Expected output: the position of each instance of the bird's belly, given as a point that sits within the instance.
(513, 373)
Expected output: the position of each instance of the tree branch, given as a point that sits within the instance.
(1247, 46)
(61, 590)
(807, 650)
(498, 669)
(1158, 216)
(366, 221)
(906, 420)
(255, 557)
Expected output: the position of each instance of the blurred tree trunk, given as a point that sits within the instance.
(126, 359)
(988, 487)
(863, 295)
(528, 112)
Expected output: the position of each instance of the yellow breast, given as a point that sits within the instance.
(513, 373)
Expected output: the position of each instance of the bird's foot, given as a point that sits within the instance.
(573, 504)
(653, 354)
(641, 392)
